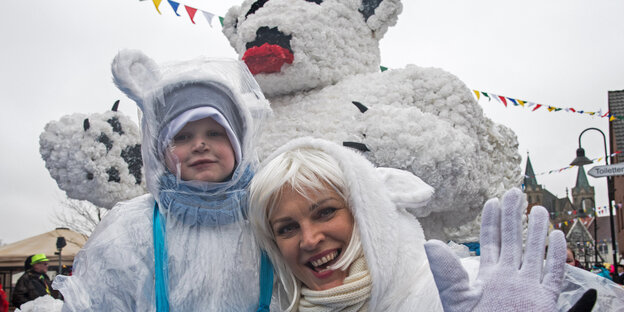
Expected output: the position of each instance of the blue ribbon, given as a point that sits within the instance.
(266, 283)
(161, 264)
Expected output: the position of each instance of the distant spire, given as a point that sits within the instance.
(529, 175)
(581, 179)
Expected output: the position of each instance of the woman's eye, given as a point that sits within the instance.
(326, 212)
(286, 230)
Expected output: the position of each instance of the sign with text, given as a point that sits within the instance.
(607, 171)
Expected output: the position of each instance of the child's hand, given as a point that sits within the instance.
(507, 281)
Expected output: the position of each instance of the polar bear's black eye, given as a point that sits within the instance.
(255, 6)
(315, 1)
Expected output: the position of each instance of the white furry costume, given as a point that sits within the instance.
(212, 256)
(392, 239)
(423, 120)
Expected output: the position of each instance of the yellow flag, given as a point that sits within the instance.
(521, 102)
(550, 108)
(477, 94)
(157, 4)
(566, 223)
(612, 118)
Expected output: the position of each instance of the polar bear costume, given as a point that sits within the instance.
(197, 235)
(318, 64)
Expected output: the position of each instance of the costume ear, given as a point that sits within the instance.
(134, 73)
(380, 14)
(407, 191)
(230, 22)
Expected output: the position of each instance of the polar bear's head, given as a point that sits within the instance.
(296, 45)
(95, 157)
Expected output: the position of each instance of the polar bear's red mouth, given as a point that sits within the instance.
(269, 51)
(267, 58)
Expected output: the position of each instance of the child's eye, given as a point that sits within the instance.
(215, 133)
(181, 137)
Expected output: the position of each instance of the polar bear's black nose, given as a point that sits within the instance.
(113, 174)
(271, 36)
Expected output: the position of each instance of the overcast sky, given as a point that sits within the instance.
(55, 60)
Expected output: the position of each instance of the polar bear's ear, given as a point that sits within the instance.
(406, 190)
(134, 73)
(230, 22)
(380, 14)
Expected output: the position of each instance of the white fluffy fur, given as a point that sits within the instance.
(70, 153)
(423, 120)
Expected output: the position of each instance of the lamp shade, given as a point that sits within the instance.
(580, 158)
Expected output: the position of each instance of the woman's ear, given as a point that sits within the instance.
(134, 73)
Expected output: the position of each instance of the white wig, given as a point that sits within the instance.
(303, 170)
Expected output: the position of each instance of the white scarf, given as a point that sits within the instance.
(353, 295)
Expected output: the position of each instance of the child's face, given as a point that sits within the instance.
(203, 152)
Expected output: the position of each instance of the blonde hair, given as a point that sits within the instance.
(304, 170)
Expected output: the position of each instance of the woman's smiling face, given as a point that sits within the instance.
(311, 234)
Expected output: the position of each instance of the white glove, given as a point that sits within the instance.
(506, 281)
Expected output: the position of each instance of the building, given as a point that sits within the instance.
(616, 142)
(574, 217)
(562, 210)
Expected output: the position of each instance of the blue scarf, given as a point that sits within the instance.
(218, 205)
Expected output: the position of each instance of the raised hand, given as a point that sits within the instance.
(508, 279)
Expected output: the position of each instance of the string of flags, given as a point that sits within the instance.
(505, 100)
(571, 166)
(191, 11)
(601, 211)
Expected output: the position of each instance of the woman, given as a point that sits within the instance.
(330, 224)
(357, 234)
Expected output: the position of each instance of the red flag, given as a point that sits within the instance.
(537, 106)
(503, 99)
(191, 12)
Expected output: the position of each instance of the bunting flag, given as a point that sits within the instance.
(191, 11)
(516, 102)
(157, 4)
(174, 6)
(595, 160)
(208, 17)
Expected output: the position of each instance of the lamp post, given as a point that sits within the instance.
(60, 243)
(581, 160)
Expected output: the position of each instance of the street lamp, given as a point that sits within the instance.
(581, 160)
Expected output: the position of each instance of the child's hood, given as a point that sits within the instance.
(164, 92)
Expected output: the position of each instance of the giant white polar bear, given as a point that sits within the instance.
(318, 63)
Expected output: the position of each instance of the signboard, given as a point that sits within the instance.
(607, 171)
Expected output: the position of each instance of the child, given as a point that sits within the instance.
(186, 246)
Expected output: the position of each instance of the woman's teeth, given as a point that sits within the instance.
(324, 260)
